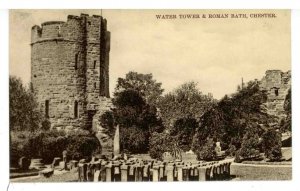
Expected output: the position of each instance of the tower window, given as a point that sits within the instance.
(276, 92)
(47, 108)
(76, 109)
(95, 63)
(76, 61)
(95, 85)
(58, 31)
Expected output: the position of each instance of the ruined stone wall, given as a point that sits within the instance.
(65, 69)
(276, 83)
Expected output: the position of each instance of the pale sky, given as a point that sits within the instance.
(216, 53)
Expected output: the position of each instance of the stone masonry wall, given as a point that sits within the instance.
(65, 69)
(276, 83)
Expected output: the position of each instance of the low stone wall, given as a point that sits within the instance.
(151, 170)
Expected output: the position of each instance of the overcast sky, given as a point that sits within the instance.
(216, 53)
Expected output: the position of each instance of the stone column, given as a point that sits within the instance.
(97, 176)
(146, 173)
(117, 141)
(108, 169)
(124, 173)
(155, 177)
(161, 172)
(179, 172)
(170, 173)
(202, 173)
(185, 173)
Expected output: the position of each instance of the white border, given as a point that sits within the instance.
(245, 186)
(4, 103)
(150, 4)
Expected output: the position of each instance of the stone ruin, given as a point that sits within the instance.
(99, 170)
(70, 72)
(276, 83)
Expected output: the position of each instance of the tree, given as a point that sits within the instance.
(184, 102)
(183, 131)
(234, 116)
(250, 146)
(23, 107)
(136, 119)
(272, 145)
(207, 152)
(144, 84)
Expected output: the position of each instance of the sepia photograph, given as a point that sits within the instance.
(112, 95)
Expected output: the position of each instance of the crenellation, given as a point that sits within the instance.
(65, 69)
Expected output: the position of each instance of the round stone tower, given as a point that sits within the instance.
(69, 69)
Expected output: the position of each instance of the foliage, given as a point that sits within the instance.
(231, 151)
(207, 152)
(107, 122)
(157, 145)
(286, 123)
(185, 101)
(233, 117)
(144, 84)
(23, 110)
(161, 143)
(272, 145)
(250, 145)
(134, 140)
(82, 144)
(136, 118)
(183, 131)
(50, 144)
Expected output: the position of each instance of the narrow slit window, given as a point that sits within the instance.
(276, 92)
(76, 109)
(95, 85)
(47, 108)
(58, 31)
(76, 61)
(95, 63)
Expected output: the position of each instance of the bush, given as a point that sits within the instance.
(82, 144)
(272, 145)
(50, 144)
(207, 152)
(159, 143)
(249, 149)
(231, 151)
(134, 140)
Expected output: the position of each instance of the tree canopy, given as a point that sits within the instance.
(23, 107)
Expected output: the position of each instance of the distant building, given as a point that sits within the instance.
(276, 83)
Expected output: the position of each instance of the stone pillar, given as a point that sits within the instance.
(161, 172)
(179, 173)
(155, 176)
(185, 173)
(82, 170)
(117, 141)
(117, 173)
(97, 177)
(124, 173)
(108, 171)
(170, 173)
(146, 172)
(202, 173)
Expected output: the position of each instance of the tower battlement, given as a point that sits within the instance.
(70, 68)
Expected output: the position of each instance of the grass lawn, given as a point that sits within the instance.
(261, 172)
(71, 176)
